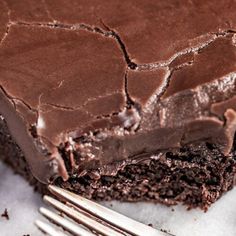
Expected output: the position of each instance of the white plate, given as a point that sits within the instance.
(22, 204)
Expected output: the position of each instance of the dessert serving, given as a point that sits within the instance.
(126, 100)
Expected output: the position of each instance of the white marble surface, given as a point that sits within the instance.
(22, 204)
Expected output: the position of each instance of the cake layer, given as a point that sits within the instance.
(194, 175)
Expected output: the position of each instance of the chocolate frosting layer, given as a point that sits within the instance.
(108, 81)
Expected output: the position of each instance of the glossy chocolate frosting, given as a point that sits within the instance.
(109, 81)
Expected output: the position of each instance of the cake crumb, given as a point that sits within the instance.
(5, 214)
(150, 224)
(172, 209)
(167, 232)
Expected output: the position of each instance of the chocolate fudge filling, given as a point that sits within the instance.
(89, 89)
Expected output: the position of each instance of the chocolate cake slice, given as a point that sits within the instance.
(128, 100)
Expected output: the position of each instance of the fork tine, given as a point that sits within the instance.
(48, 229)
(81, 218)
(122, 222)
(71, 227)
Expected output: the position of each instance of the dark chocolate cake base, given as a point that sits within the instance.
(196, 175)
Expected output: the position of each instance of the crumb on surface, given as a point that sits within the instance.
(167, 232)
(150, 224)
(5, 214)
(172, 209)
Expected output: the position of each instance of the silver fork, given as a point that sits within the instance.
(80, 216)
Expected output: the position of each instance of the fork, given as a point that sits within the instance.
(79, 216)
